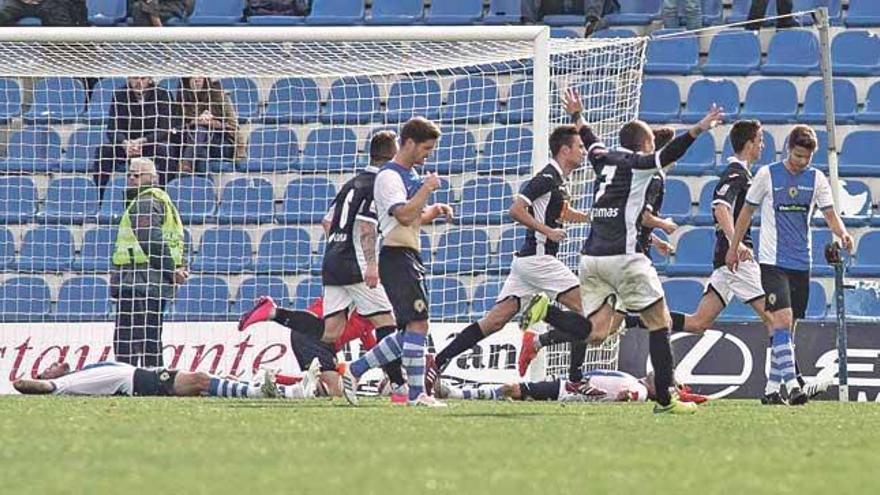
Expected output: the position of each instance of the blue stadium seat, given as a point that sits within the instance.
(693, 253)
(660, 101)
(262, 285)
(768, 156)
(70, 200)
(858, 155)
(408, 98)
(856, 53)
(336, 13)
(353, 100)
(863, 13)
(734, 53)
(601, 98)
(772, 101)
(817, 304)
(293, 100)
(559, 32)
(82, 149)
(703, 93)
(484, 201)
(201, 299)
(316, 262)
(195, 198)
(484, 298)
(271, 149)
(820, 157)
(32, 149)
(507, 150)
(519, 103)
(284, 251)
(711, 12)
(113, 200)
(699, 158)
(57, 100)
(306, 200)
(855, 205)
(443, 194)
(867, 262)
(246, 200)
(455, 12)
(244, 95)
(683, 295)
(101, 98)
(676, 202)
(613, 33)
(10, 99)
(97, 250)
(560, 20)
(870, 114)
(448, 300)
(18, 199)
(509, 243)
(170, 84)
(635, 12)
(46, 249)
(462, 251)
(330, 150)
(396, 12)
(307, 290)
(106, 12)
(705, 215)
(818, 239)
(7, 249)
(845, 103)
(834, 10)
(471, 100)
(426, 251)
(738, 312)
(24, 299)
(739, 11)
(224, 250)
(83, 299)
(456, 152)
(276, 20)
(659, 261)
(504, 12)
(678, 54)
(792, 52)
(216, 13)
(864, 301)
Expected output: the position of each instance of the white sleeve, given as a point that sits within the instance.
(822, 192)
(760, 187)
(389, 192)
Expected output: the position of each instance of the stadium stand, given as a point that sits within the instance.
(503, 12)
(870, 114)
(448, 299)
(470, 100)
(85, 299)
(69, 200)
(262, 285)
(195, 198)
(293, 100)
(772, 101)
(24, 299)
(635, 12)
(455, 152)
(845, 102)
(224, 250)
(863, 302)
(693, 254)
(306, 200)
(96, 250)
(246, 200)
(216, 13)
(855, 53)
(462, 251)
(733, 53)
(245, 96)
(410, 97)
(10, 99)
(705, 214)
(284, 250)
(867, 259)
(18, 199)
(660, 101)
(507, 149)
(329, 150)
(392, 12)
(271, 149)
(699, 159)
(46, 249)
(704, 92)
(792, 52)
(32, 150)
(57, 100)
(484, 200)
(674, 55)
(683, 295)
(81, 150)
(201, 299)
(857, 155)
(863, 13)
(107, 12)
(676, 201)
(455, 12)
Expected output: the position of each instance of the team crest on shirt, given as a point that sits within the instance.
(792, 192)
(771, 298)
(419, 305)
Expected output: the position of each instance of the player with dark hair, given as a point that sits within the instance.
(400, 198)
(787, 194)
(614, 270)
(542, 206)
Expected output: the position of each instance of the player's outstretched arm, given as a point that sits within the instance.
(33, 387)
(679, 146)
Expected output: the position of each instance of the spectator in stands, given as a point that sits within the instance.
(593, 10)
(143, 122)
(759, 9)
(210, 124)
(693, 14)
(278, 7)
(148, 261)
(157, 12)
(50, 12)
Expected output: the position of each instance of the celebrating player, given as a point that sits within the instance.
(612, 268)
(400, 197)
(113, 378)
(542, 207)
(787, 193)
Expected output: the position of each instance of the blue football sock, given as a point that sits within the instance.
(387, 350)
(413, 361)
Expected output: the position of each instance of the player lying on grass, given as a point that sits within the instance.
(112, 378)
(595, 386)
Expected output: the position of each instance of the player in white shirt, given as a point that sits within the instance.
(112, 378)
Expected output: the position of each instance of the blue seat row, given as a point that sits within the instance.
(683, 295)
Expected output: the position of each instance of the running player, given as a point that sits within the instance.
(786, 193)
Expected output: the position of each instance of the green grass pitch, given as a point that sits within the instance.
(214, 446)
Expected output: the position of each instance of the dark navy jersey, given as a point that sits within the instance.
(731, 190)
(547, 196)
(653, 203)
(344, 260)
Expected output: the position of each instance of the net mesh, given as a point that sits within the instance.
(252, 140)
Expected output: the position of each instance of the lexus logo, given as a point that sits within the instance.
(718, 344)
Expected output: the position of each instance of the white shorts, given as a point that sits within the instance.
(630, 278)
(532, 274)
(744, 284)
(368, 301)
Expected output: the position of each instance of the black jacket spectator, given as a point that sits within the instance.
(278, 7)
(158, 12)
(50, 12)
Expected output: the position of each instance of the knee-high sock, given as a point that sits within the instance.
(392, 369)
(574, 324)
(661, 359)
(221, 387)
(576, 361)
(553, 336)
(462, 342)
(783, 357)
(413, 360)
(485, 392)
(389, 349)
(301, 321)
(774, 378)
